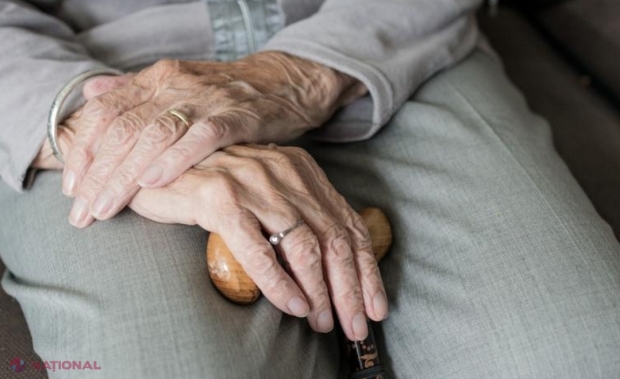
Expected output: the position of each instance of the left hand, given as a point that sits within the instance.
(127, 138)
(244, 191)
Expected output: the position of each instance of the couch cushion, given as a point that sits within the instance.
(585, 125)
(589, 30)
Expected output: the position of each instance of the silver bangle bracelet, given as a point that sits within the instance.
(59, 102)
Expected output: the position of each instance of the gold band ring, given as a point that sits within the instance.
(181, 116)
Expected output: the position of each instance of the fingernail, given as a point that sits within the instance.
(78, 213)
(151, 175)
(69, 183)
(379, 302)
(298, 307)
(103, 203)
(360, 327)
(325, 321)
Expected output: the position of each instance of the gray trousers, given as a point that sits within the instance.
(501, 267)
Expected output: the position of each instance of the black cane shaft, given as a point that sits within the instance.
(363, 357)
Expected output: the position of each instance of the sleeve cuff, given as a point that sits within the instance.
(23, 145)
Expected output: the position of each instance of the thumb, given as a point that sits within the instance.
(99, 85)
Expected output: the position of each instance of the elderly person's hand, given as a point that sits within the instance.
(243, 191)
(128, 137)
(45, 159)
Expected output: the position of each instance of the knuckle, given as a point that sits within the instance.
(213, 130)
(91, 186)
(225, 184)
(319, 295)
(304, 253)
(282, 155)
(294, 152)
(123, 178)
(254, 165)
(217, 91)
(227, 193)
(352, 297)
(359, 230)
(261, 262)
(96, 104)
(227, 93)
(302, 153)
(123, 131)
(342, 257)
(95, 179)
(102, 109)
(277, 287)
(242, 87)
(370, 270)
(336, 234)
(159, 131)
(179, 153)
(364, 241)
(282, 161)
(252, 168)
(338, 243)
(78, 157)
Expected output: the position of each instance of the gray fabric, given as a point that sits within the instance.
(35, 61)
(392, 55)
(237, 35)
(15, 338)
(177, 31)
(400, 45)
(501, 267)
(586, 126)
(590, 32)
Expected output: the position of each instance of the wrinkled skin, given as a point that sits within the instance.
(330, 260)
(126, 138)
(240, 192)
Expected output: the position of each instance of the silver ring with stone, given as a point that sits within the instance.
(276, 238)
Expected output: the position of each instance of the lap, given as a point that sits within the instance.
(135, 296)
(500, 268)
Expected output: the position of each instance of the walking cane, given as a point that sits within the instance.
(233, 283)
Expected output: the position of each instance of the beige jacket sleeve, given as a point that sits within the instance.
(392, 46)
(38, 55)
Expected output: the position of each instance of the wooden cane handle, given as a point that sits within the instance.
(231, 280)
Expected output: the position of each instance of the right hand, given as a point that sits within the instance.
(99, 85)
(243, 191)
